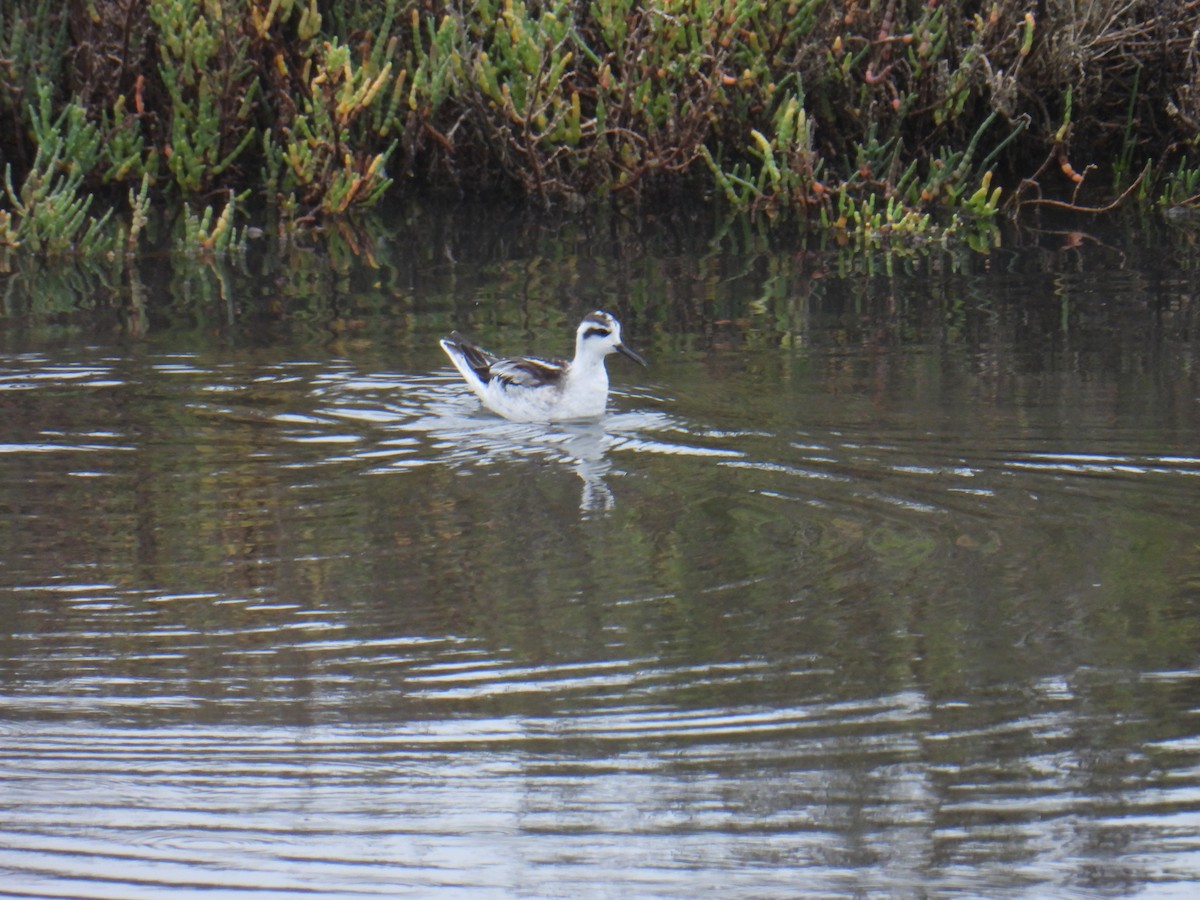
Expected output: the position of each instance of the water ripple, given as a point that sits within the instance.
(404, 805)
(1103, 464)
(335, 631)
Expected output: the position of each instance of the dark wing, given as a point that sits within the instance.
(527, 372)
(522, 371)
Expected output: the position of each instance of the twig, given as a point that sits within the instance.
(1093, 210)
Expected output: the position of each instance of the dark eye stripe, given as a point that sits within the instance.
(597, 332)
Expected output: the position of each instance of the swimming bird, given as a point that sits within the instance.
(529, 389)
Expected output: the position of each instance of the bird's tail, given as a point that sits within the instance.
(468, 356)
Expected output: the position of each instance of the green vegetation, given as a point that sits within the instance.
(878, 121)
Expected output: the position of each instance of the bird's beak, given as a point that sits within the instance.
(632, 354)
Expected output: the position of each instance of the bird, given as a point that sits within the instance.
(531, 389)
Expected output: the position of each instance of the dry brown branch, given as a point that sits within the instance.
(1089, 210)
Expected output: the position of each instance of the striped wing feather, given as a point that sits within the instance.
(528, 372)
(519, 371)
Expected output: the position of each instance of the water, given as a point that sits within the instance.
(883, 580)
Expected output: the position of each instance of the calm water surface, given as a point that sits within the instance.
(882, 581)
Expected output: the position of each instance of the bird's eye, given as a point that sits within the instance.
(597, 332)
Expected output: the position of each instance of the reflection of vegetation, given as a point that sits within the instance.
(678, 277)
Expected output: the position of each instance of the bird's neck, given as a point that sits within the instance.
(588, 366)
(587, 358)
